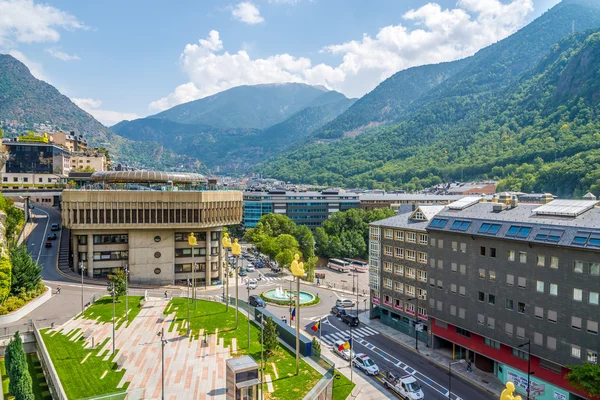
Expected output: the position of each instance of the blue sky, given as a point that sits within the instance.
(127, 59)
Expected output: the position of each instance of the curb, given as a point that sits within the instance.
(437, 363)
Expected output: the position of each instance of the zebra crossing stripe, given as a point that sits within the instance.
(326, 341)
(371, 331)
(356, 333)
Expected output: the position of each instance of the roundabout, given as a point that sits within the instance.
(282, 297)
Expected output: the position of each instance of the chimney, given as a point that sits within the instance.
(494, 198)
(504, 198)
(514, 201)
(547, 198)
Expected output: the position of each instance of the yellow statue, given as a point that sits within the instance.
(297, 268)
(236, 249)
(226, 241)
(192, 239)
(507, 394)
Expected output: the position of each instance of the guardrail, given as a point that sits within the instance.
(56, 390)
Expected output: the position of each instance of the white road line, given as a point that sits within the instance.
(326, 341)
(45, 231)
(373, 332)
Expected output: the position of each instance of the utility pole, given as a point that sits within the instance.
(82, 268)
(528, 344)
(126, 295)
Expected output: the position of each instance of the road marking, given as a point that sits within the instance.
(45, 231)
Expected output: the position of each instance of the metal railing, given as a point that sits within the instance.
(56, 390)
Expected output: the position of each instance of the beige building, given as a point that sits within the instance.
(147, 230)
(70, 140)
(81, 161)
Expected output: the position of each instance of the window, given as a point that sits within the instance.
(509, 304)
(422, 276)
(592, 327)
(387, 283)
(387, 266)
(511, 255)
(454, 267)
(593, 298)
(453, 288)
(491, 343)
(552, 316)
(482, 250)
(522, 257)
(492, 275)
(575, 351)
(463, 269)
(400, 236)
(510, 279)
(480, 319)
(549, 235)
(459, 225)
(398, 269)
(577, 294)
(399, 252)
(422, 238)
(520, 332)
(489, 229)
(554, 262)
(481, 273)
(463, 247)
(422, 294)
(410, 290)
(522, 282)
(463, 332)
(523, 355)
(440, 264)
(491, 323)
(592, 356)
(5, 179)
(387, 250)
(554, 289)
(410, 273)
(492, 299)
(432, 282)
(422, 257)
(440, 243)
(481, 296)
(595, 269)
(25, 179)
(539, 286)
(440, 284)
(551, 342)
(82, 239)
(454, 246)
(397, 304)
(493, 252)
(438, 223)
(578, 266)
(215, 235)
(521, 307)
(576, 323)
(388, 234)
(508, 328)
(411, 237)
(453, 310)
(411, 255)
(399, 287)
(520, 232)
(541, 260)
(462, 290)
(539, 312)
(15, 179)
(538, 339)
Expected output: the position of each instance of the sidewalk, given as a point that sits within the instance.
(484, 380)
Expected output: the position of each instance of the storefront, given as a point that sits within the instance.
(540, 390)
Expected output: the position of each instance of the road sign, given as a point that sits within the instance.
(319, 275)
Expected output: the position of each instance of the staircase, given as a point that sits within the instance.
(64, 253)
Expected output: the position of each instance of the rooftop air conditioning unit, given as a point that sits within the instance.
(499, 207)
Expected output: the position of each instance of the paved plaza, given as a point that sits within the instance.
(193, 370)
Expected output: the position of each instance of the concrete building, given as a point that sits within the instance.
(504, 274)
(70, 141)
(147, 229)
(395, 200)
(304, 208)
(82, 161)
(399, 268)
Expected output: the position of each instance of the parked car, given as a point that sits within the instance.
(345, 354)
(276, 269)
(365, 364)
(351, 320)
(252, 284)
(55, 227)
(345, 303)
(338, 311)
(52, 236)
(243, 272)
(257, 301)
(260, 265)
(48, 243)
(250, 268)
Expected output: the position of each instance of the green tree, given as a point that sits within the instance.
(270, 336)
(321, 241)
(306, 241)
(5, 277)
(26, 273)
(286, 242)
(285, 257)
(585, 377)
(316, 346)
(309, 267)
(20, 384)
(118, 281)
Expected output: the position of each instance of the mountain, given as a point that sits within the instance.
(28, 100)
(235, 150)
(253, 107)
(520, 110)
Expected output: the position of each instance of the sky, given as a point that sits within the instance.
(129, 59)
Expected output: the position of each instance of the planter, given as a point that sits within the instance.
(27, 308)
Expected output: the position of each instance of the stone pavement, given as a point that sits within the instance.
(484, 380)
(193, 370)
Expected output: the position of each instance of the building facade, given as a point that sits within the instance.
(91, 162)
(399, 275)
(304, 208)
(395, 200)
(504, 276)
(70, 141)
(148, 230)
(34, 163)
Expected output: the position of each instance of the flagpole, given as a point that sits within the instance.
(351, 345)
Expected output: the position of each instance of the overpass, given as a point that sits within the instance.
(48, 198)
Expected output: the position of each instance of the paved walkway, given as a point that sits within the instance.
(193, 370)
(484, 380)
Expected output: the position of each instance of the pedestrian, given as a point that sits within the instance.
(166, 295)
(58, 289)
(469, 367)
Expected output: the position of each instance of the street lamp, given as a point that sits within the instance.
(163, 342)
(189, 321)
(82, 268)
(450, 364)
(262, 341)
(111, 290)
(226, 241)
(126, 270)
(248, 287)
(193, 242)
(529, 373)
(416, 300)
(236, 250)
(297, 269)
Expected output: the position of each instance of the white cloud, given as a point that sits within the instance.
(27, 22)
(35, 68)
(107, 117)
(61, 55)
(438, 35)
(247, 12)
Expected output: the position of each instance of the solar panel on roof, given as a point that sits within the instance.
(464, 203)
(570, 208)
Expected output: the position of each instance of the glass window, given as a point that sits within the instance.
(554, 262)
(398, 269)
(522, 257)
(576, 323)
(578, 266)
(593, 298)
(577, 294)
(510, 279)
(411, 237)
(540, 286)
(511, 255)
(522, 282)
(462, 290)
(481, 296)
(552, 316)
(389, 234)
(509, 304)
(491, 343)
(400, 235)
(554, 289)
(539, 312)
(399, 252)
(387, 266)
(492, 299)
(522, 354)
(521, 307)
(575, 351)
(595, 269)
(541, 260)
(492, 275)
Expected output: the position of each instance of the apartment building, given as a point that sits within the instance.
(91, 162)
(395, 200)
(147, 229)
(399, 269)
(70, 141)
(504, 276)
(304, 208)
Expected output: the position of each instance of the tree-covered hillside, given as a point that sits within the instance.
(532, 124)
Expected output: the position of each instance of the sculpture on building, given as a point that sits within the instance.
(507, 394)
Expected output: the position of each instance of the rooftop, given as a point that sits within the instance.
(403, 219)
(411, 197)
(147, 177)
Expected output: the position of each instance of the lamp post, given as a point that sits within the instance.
(297, 269)
(226, 241)
(450, 364)
(236, 250)
(528, 344)
(416, 300)
(290, 297)
(189, 321)
(248, 287)
(126, 270)
(111, 290)
(262, 341)
(82, 268)
(163, 342)
(193, 242)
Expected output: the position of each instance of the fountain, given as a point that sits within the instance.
(279, 295)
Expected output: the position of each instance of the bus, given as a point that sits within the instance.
(339, 265)
(358, 266)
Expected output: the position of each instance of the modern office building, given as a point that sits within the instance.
(399, 269)
(304, 208)
(507, 277)
(395, 200)
(147, 228)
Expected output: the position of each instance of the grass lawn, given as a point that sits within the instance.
(211, 316)
(81, 380)
(342, 387)
(40, 387)
(103, 308)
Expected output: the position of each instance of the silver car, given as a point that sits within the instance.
(345, 354)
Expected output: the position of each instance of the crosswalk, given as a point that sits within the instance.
(343, 335)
